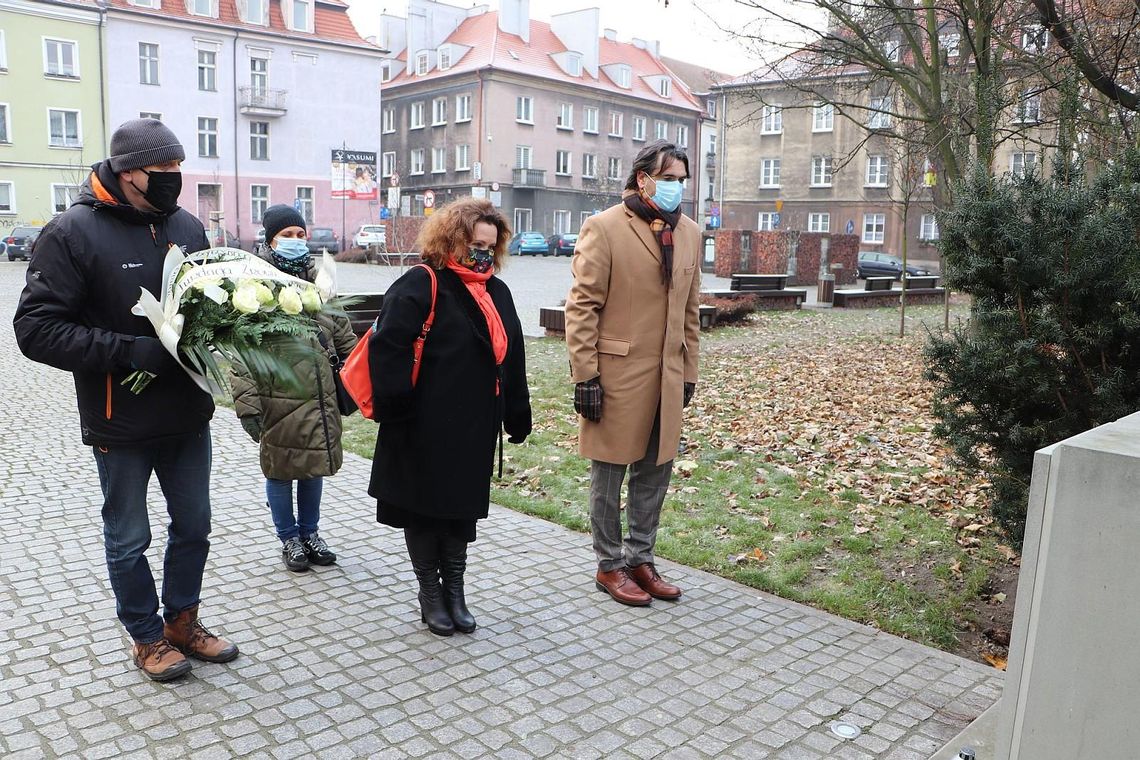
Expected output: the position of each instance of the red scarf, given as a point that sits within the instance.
(477, 286)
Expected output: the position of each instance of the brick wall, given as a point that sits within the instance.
(769, 255)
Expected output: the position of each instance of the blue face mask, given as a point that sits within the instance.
(291, 249)
(668, 194)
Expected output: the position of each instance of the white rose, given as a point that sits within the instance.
(204, 282)
(245, 298)
(311, 299)
(290, 300)
(264, 294)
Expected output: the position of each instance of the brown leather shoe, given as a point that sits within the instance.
(621, 586)
(651, 582)
(159, 660)
(190, 637)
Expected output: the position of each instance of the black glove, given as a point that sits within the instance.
(690, 389)
(150, 355)
(516, 438)
(588, 399)
(252, 426)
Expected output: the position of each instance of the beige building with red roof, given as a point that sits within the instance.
(543, 118)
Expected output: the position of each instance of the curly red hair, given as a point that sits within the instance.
(451, 229)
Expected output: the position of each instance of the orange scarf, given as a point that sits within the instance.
(477, 286)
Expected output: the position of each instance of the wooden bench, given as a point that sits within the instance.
(362, 312)
(878, 283)
(880, 291)
(553, 319)
(921, 282)
(771, 290)
(757, 282)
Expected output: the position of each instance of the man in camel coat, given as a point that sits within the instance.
(632, 330)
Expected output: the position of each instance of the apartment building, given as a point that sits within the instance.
(542, 118)
(51, 107)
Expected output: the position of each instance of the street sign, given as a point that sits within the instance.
(779, 205)
(850, 226)
(775, 220)
(496, 198)
(385, 213)
(494, 187)
(393, 197)
(429, 199)
(477, 171)
(479, 192)
(714, 222)
(394, 180)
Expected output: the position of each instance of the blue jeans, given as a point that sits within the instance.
(280, 496)
(182, 465)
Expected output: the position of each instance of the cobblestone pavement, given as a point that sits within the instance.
(336, 664)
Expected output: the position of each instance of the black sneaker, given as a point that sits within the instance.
(294, 555)
(318, 551)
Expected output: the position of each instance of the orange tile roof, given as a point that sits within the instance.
(494, 48)
(330, 20)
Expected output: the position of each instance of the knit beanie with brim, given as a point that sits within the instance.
(143, 142)
(277, 218)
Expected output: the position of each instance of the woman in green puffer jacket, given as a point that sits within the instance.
(298, 428)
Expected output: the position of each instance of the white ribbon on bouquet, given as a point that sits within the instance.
(212, 264)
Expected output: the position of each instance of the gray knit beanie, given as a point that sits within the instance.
(143, 142)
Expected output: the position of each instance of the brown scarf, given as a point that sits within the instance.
(662, 223)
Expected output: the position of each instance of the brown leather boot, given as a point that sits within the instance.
(622, 587)
(651, 582)
(190, 637)
(159, 660)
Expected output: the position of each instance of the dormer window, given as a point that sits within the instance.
(385, 71)
(664, 87)
(254, 11)
(301, 15)
(444, 58)
(623, 76)
(202, 8)
(421, 63)
(574, 65)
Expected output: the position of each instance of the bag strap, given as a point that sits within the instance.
(426, 328)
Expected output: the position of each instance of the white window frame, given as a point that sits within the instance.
(928, 227)
(766, 221)
(3, 52)
(524, 157)
(148, 66)
(682, 136)
(262, 18)
(259, 74)
(613, 168)
(617, 122)
(463, 157)
(590, 117)
(258, 137)
(1028, 107)
(878, 171)
(769, 172)
(823, 117)
(950, 43)
(524, 109)
(665, 87)
(387, 163)
(574, 65)
(6, 123)
(463, 107)
(892, 50)
(582, 217)
(565, 118)
(874, 228)
(772, 119)
(561, 222)
(443, 57)
(207, 70)
(1019, 166)
(72, 194)
(639, 128)
(193, 10)
(388, 121)
(660, 130)
(1035, 38)
(255, 212)
(61, 42)
(562, 163)
(821, 171)
(819, 221)
(385, 72)
(520, 215)
(416, 115)
(438, 160)
(78, 128)
(623, 76)
(206, 132)
(590, 165)
(439, 112)
(422, 63)
(308, 210)
(881, 113)
(10, 209)
(416, 162)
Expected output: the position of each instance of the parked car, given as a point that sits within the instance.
(18, 244)
(321, 238)
(524, 243)
(875, 264)
(370, 234)
(562, 245)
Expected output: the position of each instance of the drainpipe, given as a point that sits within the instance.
(237, 175)
(102, 83)
(722, 147)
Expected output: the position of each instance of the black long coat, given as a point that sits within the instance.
(435, 450)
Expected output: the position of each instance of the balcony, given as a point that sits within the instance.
(260, 101)
(530, 178)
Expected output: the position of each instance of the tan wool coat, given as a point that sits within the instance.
(623, 326)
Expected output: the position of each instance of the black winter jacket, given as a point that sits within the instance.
(435, 450)
(75, 312)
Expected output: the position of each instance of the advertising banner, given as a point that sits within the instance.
(354, 174)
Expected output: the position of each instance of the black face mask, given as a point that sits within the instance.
(162, 189)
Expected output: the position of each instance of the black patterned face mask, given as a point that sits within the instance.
(478, 260)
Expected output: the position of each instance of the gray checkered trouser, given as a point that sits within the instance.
(648, 482)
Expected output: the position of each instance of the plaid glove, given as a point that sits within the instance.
(690, 389)
(588, 399)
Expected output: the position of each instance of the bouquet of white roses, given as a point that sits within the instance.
(231, 303)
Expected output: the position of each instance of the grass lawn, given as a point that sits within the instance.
(808, 469)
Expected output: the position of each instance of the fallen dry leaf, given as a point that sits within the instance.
(997, 661)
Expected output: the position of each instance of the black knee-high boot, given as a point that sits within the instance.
(423, 550)
(452, 566)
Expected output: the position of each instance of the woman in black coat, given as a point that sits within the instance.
(435, 452)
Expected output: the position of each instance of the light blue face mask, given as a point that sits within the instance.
(668, 194)
(291, 249)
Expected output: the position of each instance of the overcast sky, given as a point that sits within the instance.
(686, 31)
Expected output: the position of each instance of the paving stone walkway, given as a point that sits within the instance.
(335, 663)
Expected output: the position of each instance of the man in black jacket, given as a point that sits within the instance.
(75, 314)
